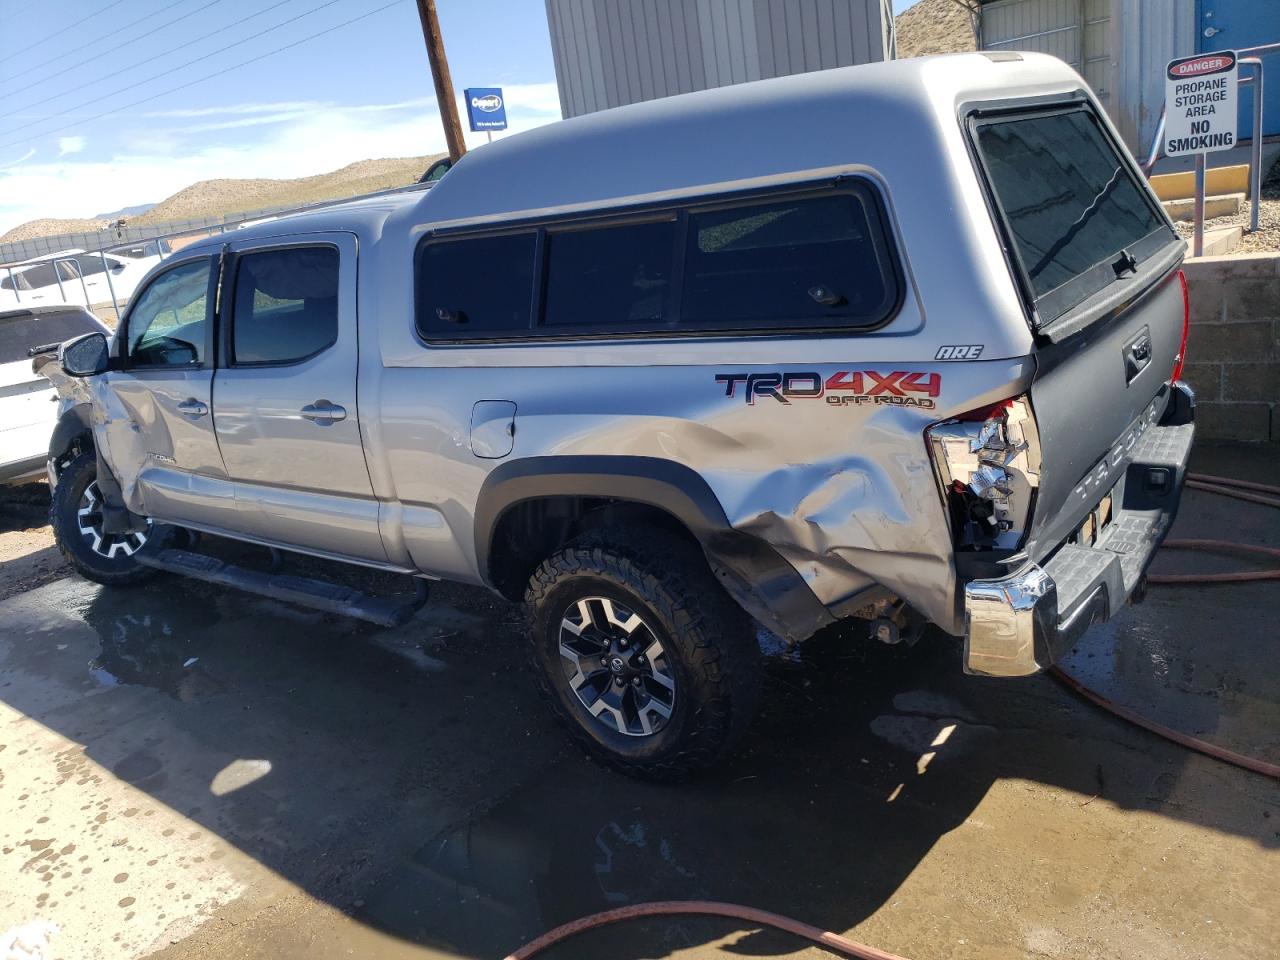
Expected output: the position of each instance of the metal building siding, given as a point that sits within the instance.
(611, 52)
(1152, 32)
(1046, 26)
(1119, 46)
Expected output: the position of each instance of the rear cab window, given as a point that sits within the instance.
(1076, 217)
(810, 259)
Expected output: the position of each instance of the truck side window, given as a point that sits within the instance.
(609, 275)
(813, 259)
(475, 286)
(286, 305)
(169, 322)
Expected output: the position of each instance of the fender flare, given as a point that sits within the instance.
(664, 484)
(72, 425)
(751, 570)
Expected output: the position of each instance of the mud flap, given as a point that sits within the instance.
(116, 517)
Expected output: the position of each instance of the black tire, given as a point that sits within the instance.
(104, 558)
(706, 647)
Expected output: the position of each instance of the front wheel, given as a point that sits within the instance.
(641, 654)
(75, 513)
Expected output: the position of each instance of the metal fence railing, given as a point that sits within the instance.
(67, 270)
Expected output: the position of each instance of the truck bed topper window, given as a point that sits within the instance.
(1075, 214)
(811, 259)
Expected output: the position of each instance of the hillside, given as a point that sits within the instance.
(934, 26)
(50, 227)
(217, 198)
(211, 198)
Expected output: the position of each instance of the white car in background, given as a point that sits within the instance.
(57, 278)
(28, 401)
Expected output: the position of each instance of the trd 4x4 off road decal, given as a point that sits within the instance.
(898, 388)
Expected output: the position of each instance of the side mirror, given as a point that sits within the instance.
(85, 356)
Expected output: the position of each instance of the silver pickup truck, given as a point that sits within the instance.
(897, 342)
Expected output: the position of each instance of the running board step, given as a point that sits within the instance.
(307, 592)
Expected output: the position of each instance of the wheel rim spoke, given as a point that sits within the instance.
(109, 545)
(616, 666)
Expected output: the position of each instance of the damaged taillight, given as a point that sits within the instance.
(988, 464)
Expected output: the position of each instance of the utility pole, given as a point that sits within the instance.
(440, 76)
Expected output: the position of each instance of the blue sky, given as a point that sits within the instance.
(360, 90)
(363, 90)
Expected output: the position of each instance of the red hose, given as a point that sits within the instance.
(1192, 743)
(1230, 488)
(708, 908)
(1226, 487)
(1226, 546)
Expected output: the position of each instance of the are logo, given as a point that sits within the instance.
(844, 387)
(489, 104)
(959, 351)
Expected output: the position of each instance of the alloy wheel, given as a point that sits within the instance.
(617, 667)
(109, 545)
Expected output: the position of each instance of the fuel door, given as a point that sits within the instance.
(493, 428)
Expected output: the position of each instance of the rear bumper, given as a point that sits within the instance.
(1023, 623)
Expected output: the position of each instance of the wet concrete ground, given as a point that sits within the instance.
(189, 772)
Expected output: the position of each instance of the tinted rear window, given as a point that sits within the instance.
(1070, 202)
(610, 275)
(476, 286)
(801, 260)
(19, 334)
(797, 260)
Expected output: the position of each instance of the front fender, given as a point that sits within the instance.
(75, 424)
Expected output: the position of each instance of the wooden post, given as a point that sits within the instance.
(440, 76)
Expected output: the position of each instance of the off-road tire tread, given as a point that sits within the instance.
(714, 638)
(62, 513)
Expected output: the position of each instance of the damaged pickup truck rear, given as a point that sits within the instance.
(674, 370)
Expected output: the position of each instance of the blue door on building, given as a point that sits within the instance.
(1234, 25)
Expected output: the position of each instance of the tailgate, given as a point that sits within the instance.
(1097, 261)
(1093, 401)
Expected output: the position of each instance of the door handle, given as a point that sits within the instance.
(324, 413)
(193, 407)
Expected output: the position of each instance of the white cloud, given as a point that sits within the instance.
(293, 139)
(69, 145)
(13, 163)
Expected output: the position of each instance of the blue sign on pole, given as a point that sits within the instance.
(485, 108)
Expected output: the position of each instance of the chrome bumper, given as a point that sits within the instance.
(1025, 622)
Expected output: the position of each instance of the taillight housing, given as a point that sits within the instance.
(988, 466)
(1181, 358)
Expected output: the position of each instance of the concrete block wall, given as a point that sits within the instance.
(1233, 349)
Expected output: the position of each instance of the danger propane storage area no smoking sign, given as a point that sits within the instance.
(1200, 96)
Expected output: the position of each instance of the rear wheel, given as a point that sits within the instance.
(75, 514)
(641, 654)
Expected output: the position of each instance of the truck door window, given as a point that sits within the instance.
(475, 286)
(286, 305)
(1070, 202)
(814, 260)
(610, 275)
(168, 325)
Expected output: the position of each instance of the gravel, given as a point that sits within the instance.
(1267, 239)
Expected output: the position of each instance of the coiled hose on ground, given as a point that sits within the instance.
(1260, 493)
